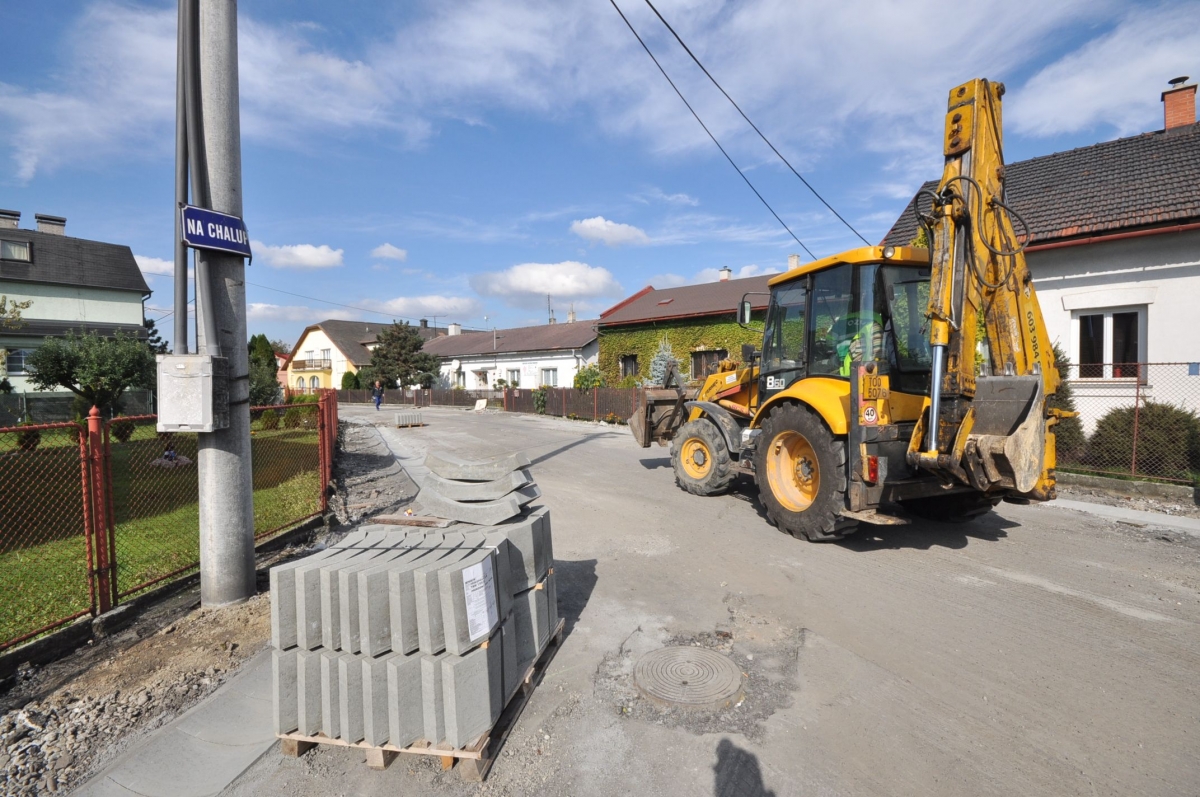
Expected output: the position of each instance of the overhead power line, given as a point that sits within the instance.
(756, 130)
(706, 130)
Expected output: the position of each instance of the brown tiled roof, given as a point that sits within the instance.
(690, 301)
(348, 337)
(547, 337)
(1145, 180)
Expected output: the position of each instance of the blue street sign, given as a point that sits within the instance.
(208, 229)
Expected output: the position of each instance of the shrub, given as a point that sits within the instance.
(293, 418)
(303, 398)
(630, 381)
(270, 419)
(539, 400)
(1168, 441)
(588, 378)
(122, 429)
(350, 381)
(30, 439)
(1069, 439)
(612, 417)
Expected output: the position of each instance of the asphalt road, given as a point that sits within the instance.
(1037, 651)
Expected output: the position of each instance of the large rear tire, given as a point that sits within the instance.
(800, 468)
(701, 458)
(953, 508)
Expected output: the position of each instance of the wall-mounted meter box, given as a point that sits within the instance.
(193, 393)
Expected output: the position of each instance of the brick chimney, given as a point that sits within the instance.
(424, 323)
(1179, 104)
(726, 273)
(54, 225)
(9, 219)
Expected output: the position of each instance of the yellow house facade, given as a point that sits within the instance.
(328, 350)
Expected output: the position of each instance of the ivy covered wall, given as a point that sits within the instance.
(685, 336)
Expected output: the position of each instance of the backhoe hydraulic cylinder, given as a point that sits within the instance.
(935, 397)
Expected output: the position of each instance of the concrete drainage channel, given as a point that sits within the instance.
(736, 676)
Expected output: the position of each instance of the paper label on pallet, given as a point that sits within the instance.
(479, 589)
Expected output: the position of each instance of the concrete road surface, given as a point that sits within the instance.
(1038, 651)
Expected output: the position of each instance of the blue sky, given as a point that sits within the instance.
(464, 159)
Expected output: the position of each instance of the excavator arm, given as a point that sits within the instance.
(993, 363)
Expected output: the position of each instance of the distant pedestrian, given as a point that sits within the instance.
(377, 393)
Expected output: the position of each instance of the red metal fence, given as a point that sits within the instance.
(94, 513)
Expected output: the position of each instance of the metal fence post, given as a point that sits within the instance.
(1137, 410)
(595, 403)
(99, 483)
(89, 529)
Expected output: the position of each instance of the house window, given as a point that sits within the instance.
(314, 383)
(481, 379)
(460, 378)
(550, 377)
(1110, 343)
(300, 384)
(705, 363)
(514, 377)
(14, 250)
(629, 365)
(325, 355)
(15, 363)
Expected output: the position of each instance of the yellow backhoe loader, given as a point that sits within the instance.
(892, 380)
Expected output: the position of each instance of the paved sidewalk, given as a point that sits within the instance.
(202, 751)
(1186, 524)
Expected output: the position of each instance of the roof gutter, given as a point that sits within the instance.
(1118, 236)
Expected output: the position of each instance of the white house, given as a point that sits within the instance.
(72, 284)
(523, 357)
(1114, 249)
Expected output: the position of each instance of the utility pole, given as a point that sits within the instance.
(226, 485)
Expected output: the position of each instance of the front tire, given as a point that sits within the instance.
(701, 458)
(800, 468)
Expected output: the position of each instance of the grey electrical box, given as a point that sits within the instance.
(193, 393)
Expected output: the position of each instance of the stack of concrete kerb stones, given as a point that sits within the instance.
(415, 639)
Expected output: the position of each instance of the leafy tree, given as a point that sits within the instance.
(153, 339)
(264, 382)
(261, 349)
(10, 313)
(350, 381)
(664, 358)
(398, 358)
(96, 369)
(281, 346)
(589, 377)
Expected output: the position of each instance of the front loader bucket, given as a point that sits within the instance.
(659, 416)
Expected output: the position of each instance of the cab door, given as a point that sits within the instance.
(785, 339)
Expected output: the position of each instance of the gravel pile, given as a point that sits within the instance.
(47, 745)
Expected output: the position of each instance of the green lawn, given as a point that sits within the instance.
(43, 573)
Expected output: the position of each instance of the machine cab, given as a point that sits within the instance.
(866, 305)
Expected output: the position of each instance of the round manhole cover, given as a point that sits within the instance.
(688, 677)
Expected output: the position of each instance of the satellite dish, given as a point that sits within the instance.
(455, 365)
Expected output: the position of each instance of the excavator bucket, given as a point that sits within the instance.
(1006, 443)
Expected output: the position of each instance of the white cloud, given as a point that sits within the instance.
(445, 307)
(667, 280)
(709, 275)
(261, 311)
(1115, 79)
(389, 252)
(113, 92)
(154, 265)
(297, 255)
(608, 232)
(658, 195)
(527, 284)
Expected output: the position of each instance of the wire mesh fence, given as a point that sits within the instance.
(46, 558)
(1136, 420)
(93, 514)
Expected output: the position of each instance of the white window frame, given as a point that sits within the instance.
(24, 355)
(514, 377)
(552, 381)
(28, 251)
(1108, 312)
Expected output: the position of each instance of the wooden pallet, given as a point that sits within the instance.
(476, 759)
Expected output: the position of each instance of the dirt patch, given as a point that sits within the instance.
(766, 651)
(367, 479)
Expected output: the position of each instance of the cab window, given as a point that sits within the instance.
(834, 328)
